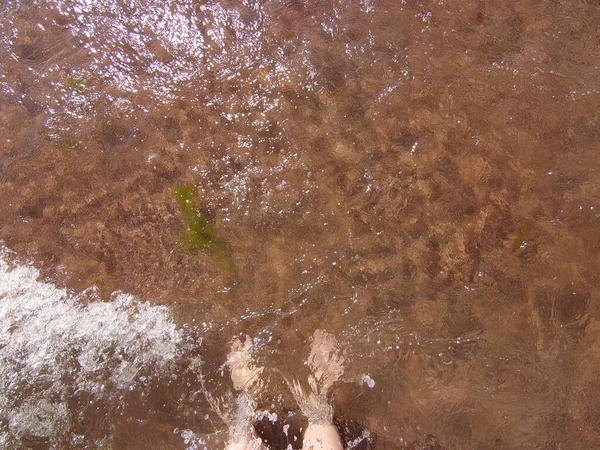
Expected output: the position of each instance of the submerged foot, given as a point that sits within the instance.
(325, 360)
(326, 363)
(246, 379)
(244, 374)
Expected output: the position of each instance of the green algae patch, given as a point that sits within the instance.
(201, 233)
(76, 84)
(526, 242)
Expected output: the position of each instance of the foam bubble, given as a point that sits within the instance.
(366, 379)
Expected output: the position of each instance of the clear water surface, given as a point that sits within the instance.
(419, 178)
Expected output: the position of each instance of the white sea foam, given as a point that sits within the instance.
(55, 345)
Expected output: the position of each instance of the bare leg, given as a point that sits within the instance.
(241, 432)
(321, 437)
(237, 446)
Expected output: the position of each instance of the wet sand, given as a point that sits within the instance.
(420, 179)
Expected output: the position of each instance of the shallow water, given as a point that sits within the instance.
(419, 178)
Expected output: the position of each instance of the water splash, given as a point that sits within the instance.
(56, 347)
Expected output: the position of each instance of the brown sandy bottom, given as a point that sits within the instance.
(418, 178)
